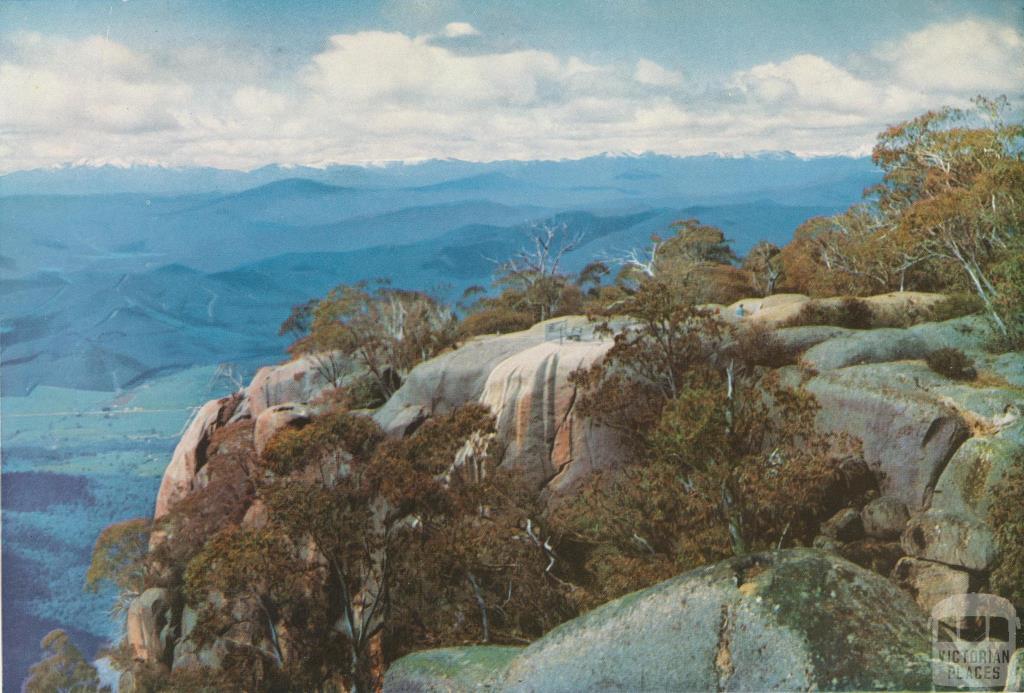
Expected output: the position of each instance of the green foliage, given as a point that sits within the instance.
(726, 459)
(386, 331)
(494, 318)
(368, 547)
(952, 363)
(765, 267)
(63, 670)
(338, 431)
(299, 320)
(119, 555)
(258, 570)
(948, 211)
(222, 501)
(696, 264)
(1007, 518)
(651, 363)
(1008, 277)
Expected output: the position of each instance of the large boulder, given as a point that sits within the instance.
(147, 630)
(885, 517)
(451, 380)
(930, 582)
(769, 311)
(791, 342)
(1015, 672)
(451, 670)
(886, 309)
(950, 538)
(844, 526)
(976, 470)
(907, 434)
(190, 453)
(299, 380)
(534, 404)
(884, 345)
(790, 620)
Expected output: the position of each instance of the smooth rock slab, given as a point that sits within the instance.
(788, 620)
(907, 435)
(968, 482)
(190, 453)
(533, 402)
(1015, 673)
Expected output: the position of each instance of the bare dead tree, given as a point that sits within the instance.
(638, 261)
(534, 270)
(229, 374)
(547, 245)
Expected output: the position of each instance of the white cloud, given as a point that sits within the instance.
(56, 85)
(371, 66)
(460, 29)
(375, 96)
(653, 74)
(810, 81)
(966, 56)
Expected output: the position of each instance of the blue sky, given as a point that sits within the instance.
(243, 84)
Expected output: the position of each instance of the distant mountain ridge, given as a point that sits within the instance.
(685, 171)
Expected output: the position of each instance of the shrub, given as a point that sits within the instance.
(335, 432)
(495, 320)
(364, 393)
(956, 305)
(951, 363)
(851, 313)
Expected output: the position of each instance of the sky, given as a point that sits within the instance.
(244, 84)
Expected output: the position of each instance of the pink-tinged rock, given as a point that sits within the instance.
(537, 420)
(146, 625)
(190, 453)
(278, 417)
(907, 434)
(448, 381)
(300, 380)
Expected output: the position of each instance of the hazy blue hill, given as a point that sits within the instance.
(481, 183)
(106, 330)
(136, 232)
(694, 176)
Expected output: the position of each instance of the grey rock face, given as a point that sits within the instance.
(146, 626)
(930, 582)
(796, 619)
(450, 380)
(949, 538)
(907, 435)
(885, 345)
(885, 517)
